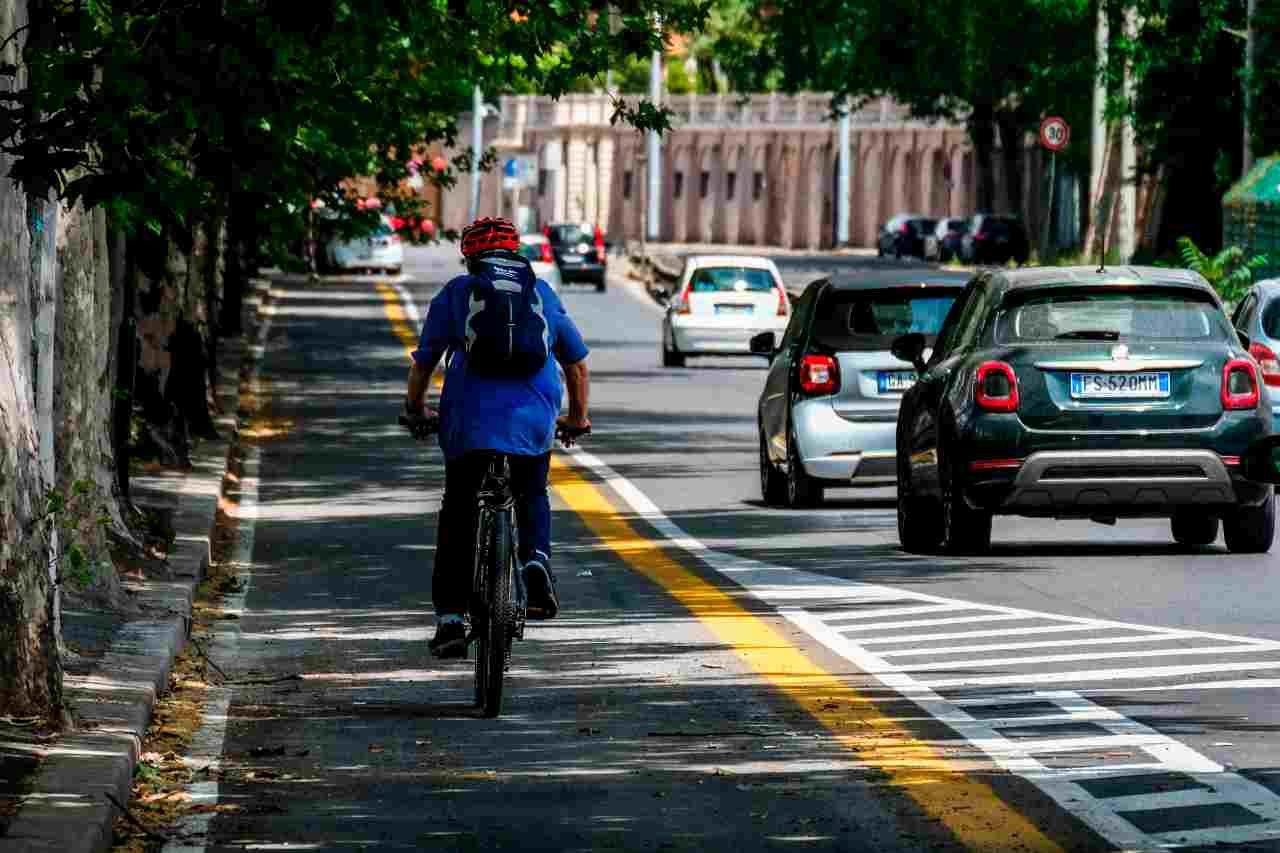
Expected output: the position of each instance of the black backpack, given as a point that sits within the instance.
(506, 329)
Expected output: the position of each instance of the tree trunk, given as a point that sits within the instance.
(124, 366)
(1011, 150)
(83, 402)
(982, 132)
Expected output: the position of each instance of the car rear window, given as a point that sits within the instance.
(1128, 314)
(1271, 319)
(570, 234)
(869, 320)
(532, 251)
(731, 279)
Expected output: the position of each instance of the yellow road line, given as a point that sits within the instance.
(971, 810)
(400, 325)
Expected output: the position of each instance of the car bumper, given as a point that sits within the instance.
(582, 272)
(693, 339)
(835, 449)
(1084, 483)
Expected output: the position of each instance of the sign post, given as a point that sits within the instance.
(1055, 133)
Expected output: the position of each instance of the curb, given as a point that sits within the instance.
(67, 809)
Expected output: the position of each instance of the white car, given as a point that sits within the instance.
(536, 248)
(719, 304)
(381, 250)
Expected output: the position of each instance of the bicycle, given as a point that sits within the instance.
(497, 609)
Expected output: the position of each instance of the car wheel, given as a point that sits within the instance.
(919, 523)
(1193, 530)
(672, 357)
(965, 530)
(1251, 528)
(802, 490)
(773, 487)
(600, 286)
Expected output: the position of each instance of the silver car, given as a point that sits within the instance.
(829, 409)
(1257, 317)
(536, 249)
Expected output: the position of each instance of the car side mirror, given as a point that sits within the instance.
(1244, 339)
(910, 348)
(765, 343)
(1262, 462)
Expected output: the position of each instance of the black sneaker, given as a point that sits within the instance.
(450, 640)
(540, 588)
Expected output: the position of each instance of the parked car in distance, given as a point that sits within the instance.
(1257, 316)
(579, 250)
(904, 236)
(719, 303)
(1082, 393)
(829, 407)
(944, 243)
(995, 240)
(536, 249)
(381, 250)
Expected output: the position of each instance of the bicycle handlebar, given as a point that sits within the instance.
(424, 427)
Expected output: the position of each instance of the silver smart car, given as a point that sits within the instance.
(1257, 317)
(829, 409)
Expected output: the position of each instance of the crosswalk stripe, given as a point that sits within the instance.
(1098, 675)
(1165, 636)
(1145, 653)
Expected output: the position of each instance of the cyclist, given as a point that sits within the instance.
(481, 412)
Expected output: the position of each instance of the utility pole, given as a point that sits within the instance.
(1248, 86)
(842, 178)
(655, 151)
(477, 142)
(1098, 134)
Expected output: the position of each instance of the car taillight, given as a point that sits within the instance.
(782, 302)
(997, 387)
(683, 307)
(902, 229)
(1239, 385)
(981, 235)
(547, 257)
(599, 245)
(1268, 362)
(819, 374)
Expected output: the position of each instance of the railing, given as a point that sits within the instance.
(806, 109)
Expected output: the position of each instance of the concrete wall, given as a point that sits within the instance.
(760, 172)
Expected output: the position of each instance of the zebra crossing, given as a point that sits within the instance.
(1014, 685)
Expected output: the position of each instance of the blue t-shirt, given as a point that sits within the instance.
(477, 412)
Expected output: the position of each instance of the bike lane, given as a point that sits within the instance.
(631, 722)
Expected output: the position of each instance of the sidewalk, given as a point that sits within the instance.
(121, 666)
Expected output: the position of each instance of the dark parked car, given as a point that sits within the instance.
(995, 240)
(903, 236)
(579, 252)
(947, 237)
(1077, 393)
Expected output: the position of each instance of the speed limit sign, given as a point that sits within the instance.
(1054, 133)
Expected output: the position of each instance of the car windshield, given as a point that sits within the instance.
(730, 280)
(570, 234)
(1110, 316)
(870, 319)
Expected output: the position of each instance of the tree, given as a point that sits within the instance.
(182, 132)
(998, 66)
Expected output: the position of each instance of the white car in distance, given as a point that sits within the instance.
(720, 302)
(536, 249)
(381, 250)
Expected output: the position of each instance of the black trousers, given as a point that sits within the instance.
(456, 526)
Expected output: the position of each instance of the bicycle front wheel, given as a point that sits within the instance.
(493, 578)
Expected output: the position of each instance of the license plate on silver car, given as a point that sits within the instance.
(735, 309)
(1087, 386)
(894, 380)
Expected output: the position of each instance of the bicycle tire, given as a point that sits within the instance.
(494, 635)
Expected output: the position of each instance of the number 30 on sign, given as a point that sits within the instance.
(1054, 133)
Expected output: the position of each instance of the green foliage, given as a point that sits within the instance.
(68, 513)
(1229, 271)
(158, 110)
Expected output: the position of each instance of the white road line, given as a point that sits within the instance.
(1041, 644)
(789, 589)
(1144, 653)
(894, 611)
(1099, 675)
(929, 623)
(207, 744)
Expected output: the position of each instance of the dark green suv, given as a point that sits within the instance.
(1082, 393)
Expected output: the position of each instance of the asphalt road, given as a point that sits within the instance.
(723, 674)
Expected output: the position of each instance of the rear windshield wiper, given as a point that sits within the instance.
(1089, 335)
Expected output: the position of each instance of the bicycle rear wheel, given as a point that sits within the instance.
(493, 580)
